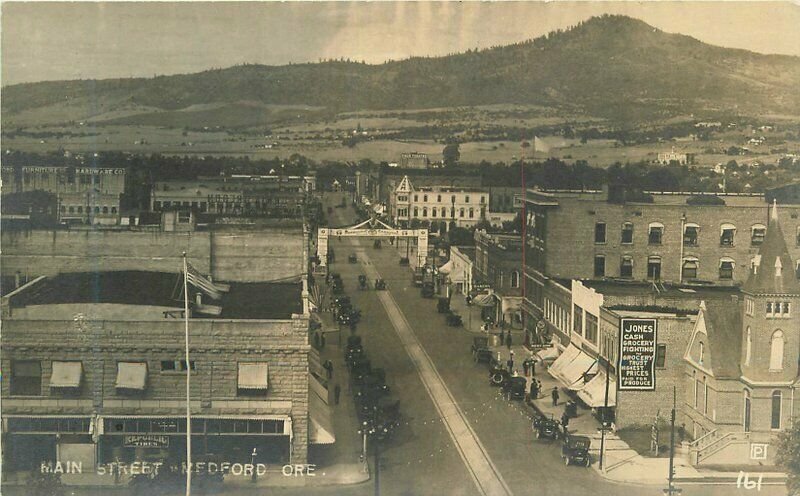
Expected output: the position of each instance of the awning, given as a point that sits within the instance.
(253, 376)
(446, 268)
(485, 300)
(594, 392)
(547, 353)
(66, 374)
(573, 373)
(511, 304)
(320, 421)
(131, 375)
(562, 361)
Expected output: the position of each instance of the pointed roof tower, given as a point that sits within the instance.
(404, 186)
(773, 270)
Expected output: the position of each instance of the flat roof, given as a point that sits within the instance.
(621, 288)
(257, 300)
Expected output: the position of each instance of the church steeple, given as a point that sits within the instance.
(772, 268)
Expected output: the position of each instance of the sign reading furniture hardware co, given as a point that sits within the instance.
(637, 355)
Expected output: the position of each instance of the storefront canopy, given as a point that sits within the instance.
(485, 300)
(572, 366)
(562, 361)
(594, 392)
(321, 421)
(446, 268)
(131, 375)
(66, 375)
(547, 353)
(253, 376)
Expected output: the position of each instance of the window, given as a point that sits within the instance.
(577, 320)
(757, 233)
(654, 268)
(483, 199)
(600, 232)
(416, 198)
(748, 350)
(26, 378)
(113, 210)
(697, 391)
(72, 210)
(702, 353)
(433, 212)
(461, 212)
(705, 396)
(661, 356)
(63, 209)
(471, 212)
(444, 212)
(599, 266)
(184, 217)
(778, 309)
(105, 210)
(425, 198)
(689, 268)
(690, 234)
(776, 351)
(424, 211)
(591, 328)
(626, 266)
(176, 365)
(727, 232)
(797, 237)
(466, 199)
(253, 378)
(627, 233)
(777, 400)
(514, 278)
(746, 413)
(726, 268)
(97, 210)
(416, 211)
(80, 209)
(655, 232)
(749, 306)
(439, 198)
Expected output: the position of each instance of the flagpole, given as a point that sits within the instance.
(188, 378)
(523, 218)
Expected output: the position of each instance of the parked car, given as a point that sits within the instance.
(479, 343)
(547, 428)
(362, 282)
(404, 261)
(514, 388)
(443, 305)
(453, 319)
(575, 449)
(427, 290)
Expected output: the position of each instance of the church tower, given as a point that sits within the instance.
(771, 319)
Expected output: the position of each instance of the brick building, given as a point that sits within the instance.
(93, 371)
(88, 195)
(498, 263)
(742, 362)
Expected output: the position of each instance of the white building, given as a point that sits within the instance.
(452, 206)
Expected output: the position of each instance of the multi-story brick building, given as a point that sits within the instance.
(89, 195)
(236, 195)
(498, 263)
(742, 362)
(93, 371)
(448, 207)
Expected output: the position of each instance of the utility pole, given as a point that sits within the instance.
(603, 421)
(671, 489)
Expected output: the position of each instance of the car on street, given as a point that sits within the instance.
(544, 427)
(575, 449)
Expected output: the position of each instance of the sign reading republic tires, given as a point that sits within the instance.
(637, 355)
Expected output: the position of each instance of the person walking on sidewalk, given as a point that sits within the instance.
(554, 395)
(565, 422)
(336, 392)
(508, 339)
(328, 366)
(510, 363)
(534, 389)
(525, 366)
(322, 339)
(502, 336)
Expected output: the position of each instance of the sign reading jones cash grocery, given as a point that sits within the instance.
(637, 354)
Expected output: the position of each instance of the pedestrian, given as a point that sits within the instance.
(502, 337)
(322, 340)
(468, 300)
(329, 369)
(554, 395)
(508, 339)
(565, 422)
(534, 390)
(336, 391)
(316, 340)
(525, 365)
(510, 364)
(533, 367)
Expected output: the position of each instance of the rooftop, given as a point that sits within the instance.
(620, 288)
(260, 300)
(552, 197)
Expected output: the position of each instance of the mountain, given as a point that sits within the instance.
(606, 66)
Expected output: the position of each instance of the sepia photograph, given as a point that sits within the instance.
(400, 248)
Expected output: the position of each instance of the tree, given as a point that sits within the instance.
(451, 154)
(459, 236)
(788, 456)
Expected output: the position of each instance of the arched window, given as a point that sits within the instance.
(113, 210)
(416, 211)
(776, 351)
(105, 210)
(63, 209)
(702, 353)
(97, 210)
(748, 350)
(444, 212)
(655, 231)
(424, 211)
(691, 232)
(471, 213)
(727, 232)
(515, 279)
(433, 212)
(777, 401)
(461, 212)
(626, 266)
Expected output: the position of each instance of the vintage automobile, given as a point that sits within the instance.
(404, 261)
(443, 305)
(362, 282)
(427, 290)
(352, 258)
(453, 319)
(380, 284)
(497, 374)
(544, 427)
(514, 388)
(479, 343)
(417, 277)
(575, 449)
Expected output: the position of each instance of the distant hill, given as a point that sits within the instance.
(611, 66)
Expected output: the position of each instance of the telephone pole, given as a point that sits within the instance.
(671, 489)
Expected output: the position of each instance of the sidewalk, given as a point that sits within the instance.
(470, 315)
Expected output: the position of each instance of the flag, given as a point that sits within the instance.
(200, 282)
(539, 145)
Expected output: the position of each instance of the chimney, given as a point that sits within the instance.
(198, 299)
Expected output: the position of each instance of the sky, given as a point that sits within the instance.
(43, 41)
